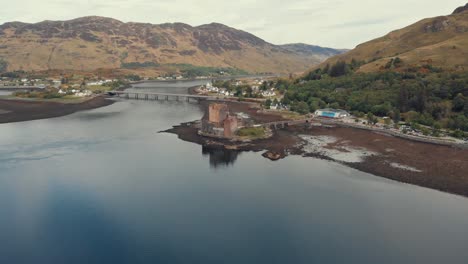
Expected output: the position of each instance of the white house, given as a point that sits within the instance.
(332, 113)
(84, 93)
(268, 93)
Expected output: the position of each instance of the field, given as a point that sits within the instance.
(252, 132)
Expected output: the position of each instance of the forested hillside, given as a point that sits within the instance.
(426, 96)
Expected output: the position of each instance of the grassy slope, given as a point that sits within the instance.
(31, 52)
(444, 40)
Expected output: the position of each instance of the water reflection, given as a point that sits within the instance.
(102, 186)
(76, 224)
(220, 157)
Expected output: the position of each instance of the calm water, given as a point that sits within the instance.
(5, 93)
(102, 186)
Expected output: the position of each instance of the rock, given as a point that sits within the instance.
(273, 155)
(438, 25)
(461, 9)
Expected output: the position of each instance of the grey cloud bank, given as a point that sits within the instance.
(335, 23)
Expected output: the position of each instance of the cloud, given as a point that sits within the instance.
(335, 23)
(361, 23)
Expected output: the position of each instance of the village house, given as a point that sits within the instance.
(98, 83)
(268, 94)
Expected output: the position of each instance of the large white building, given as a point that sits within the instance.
(332, 113)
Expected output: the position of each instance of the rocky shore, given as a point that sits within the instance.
(433, 166)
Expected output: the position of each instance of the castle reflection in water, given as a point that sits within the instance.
(220, 157)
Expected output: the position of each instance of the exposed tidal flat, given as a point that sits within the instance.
(102, 186)
(18, 110)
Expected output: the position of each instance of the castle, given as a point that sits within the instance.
(219, 122)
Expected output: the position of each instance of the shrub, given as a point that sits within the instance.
(252, 132)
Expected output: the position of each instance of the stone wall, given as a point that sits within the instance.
(217, 113)
(230, 126)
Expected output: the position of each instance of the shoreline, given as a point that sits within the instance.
(23, 110)
(248, 76)
(423, 164)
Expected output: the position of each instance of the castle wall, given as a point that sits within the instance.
(230, 126)
(217, 113)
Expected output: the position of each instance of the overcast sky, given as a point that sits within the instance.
(332, 23)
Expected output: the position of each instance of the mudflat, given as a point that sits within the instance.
(433, 166)
(438, 167)
(20, 110)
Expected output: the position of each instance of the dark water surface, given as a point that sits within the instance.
(102, 186)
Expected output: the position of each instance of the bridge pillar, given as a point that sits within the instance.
(136, 96)
(146, 97)
(167, 98)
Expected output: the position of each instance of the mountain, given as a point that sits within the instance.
(91, 43)
(440, 41)
(314, 52)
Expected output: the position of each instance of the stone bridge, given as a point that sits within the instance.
(287, 123)
(162, 96)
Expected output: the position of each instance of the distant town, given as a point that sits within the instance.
(268, 92)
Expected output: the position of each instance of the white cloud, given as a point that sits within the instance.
(335, 23)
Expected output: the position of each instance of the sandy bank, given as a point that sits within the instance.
(21, 110)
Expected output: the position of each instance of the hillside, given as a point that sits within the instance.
(439, 41)
(312, 51)
(91, 43)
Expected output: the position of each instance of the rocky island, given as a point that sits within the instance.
(424, 164)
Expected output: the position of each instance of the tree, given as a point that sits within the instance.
(458, 134)
(326, 69)
(268, 103)
(371, 119)
(381, 110)
(403, 99)
(249, 91)
(388, 121)
(397, 60)
(335, 105)
(411, 116)
(133, 77)
(396, 116)
(338, 69)
(83, 83)
(421, 100)
(313, 105)
(436, 129)
(465, 108)
(264, 86)
(3, 65)
(458, 103)
(302, 108)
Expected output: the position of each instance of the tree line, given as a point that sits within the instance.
(434, 98)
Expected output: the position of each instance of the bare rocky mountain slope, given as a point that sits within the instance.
(90, 43)
(440, 41)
